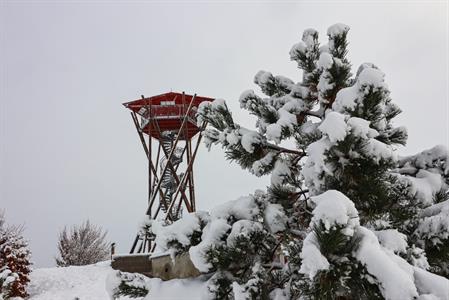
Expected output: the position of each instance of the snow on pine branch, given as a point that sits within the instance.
(342, 126)
(200, 232)
(436, 158)
(376, 251)
(343, 123)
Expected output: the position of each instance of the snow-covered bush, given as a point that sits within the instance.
(82, 245)
(15, 265)
(344, 217)
(131, 285)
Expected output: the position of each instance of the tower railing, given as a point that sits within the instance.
(176, 110)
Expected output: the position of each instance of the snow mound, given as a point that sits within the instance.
(89, 283)
(83, 282)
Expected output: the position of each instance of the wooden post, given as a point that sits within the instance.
(150, 157)
(112, 250)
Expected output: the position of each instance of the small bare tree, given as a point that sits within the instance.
(82, 245)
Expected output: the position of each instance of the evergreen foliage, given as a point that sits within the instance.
(344, 216)
(128, 285)
(15, 265)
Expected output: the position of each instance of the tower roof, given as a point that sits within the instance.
(136, 105)
(165, 112)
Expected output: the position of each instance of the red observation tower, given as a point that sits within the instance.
(166, 125)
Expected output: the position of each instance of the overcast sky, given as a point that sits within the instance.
(69, 151)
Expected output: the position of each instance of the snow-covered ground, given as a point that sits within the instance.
(89, 283)
(84, 282)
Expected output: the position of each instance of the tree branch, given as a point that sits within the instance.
(284, 150)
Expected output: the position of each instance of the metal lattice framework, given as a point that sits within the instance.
(167, 123)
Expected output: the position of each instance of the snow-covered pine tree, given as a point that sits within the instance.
(82, 245)
(354, 220)
(15, 265)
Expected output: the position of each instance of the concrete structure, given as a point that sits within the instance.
(161, 266)
(135, 263)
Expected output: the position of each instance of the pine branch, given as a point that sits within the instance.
(284, 150)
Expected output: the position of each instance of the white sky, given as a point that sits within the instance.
(69, 150)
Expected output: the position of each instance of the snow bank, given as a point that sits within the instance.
(90, 283)
(177, 289)
(83, 282)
